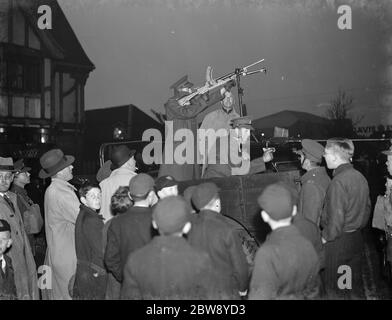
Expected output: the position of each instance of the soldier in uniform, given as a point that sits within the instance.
(314, 182)
(235, 153)
(185, 117)
(169, 267)
(286, 265)
(346, 212)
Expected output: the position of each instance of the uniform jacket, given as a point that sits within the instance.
(185, 118)
(7, 281)
(211, 232)
(127, 233)
(25, 270)
(118, 178)
(61, 211)
(347, 203)
(90, 279)
(314, 185)
(218, 167)
(168, 268)
(286, 267)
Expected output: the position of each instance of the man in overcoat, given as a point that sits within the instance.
(25, 271)
(61, 211)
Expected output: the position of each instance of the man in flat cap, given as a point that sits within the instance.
(20, 251)
(123, 169)
(286, 265)
(314, 183)
(212, 233)
(166, 186)
(230, 155)
(61, 211)
(345, 213)
(132, 229)
(185, 117)
(169, 267)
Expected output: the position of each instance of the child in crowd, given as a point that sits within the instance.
(7, 282)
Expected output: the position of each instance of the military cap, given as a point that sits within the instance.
(4, 226)
(203, 194)
(171, 214)
(388, 152)
(20, 166)
(141, 185)
(165, 182)
(277, 200)
(242, 122)
(188, 194)
(182, 82)
(312, 150)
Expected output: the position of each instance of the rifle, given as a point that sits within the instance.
(221, 81)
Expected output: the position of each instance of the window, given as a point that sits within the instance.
(24, 77)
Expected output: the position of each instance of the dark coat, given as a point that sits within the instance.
(127, 233)
(347, 203)
(7, 281)
(211, 232)
(91, 277)
(314, 185)
(168, 268)
(286, 267)
(186, 118)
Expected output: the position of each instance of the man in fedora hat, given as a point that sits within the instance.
(20, 251)
(61, 211)
(314, 183)
(132, 229)
(123, 170)
(185, 117)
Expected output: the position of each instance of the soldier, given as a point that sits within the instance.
(314, 182)
(131, 230)
(185, 117)
(346, 212)
(169, 267)
(213, 234)
(286, 265)
(235, 153)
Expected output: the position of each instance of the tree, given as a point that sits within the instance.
(341, 123)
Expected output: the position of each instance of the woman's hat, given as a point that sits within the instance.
(54, 161)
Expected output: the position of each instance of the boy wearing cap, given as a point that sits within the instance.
(213, 234)
(131, 230)
(166, 186)
(314, 182)
(286, 265)
(7, 282)
(169, 267)
(346, 212)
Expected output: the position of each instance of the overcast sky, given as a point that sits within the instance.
(140, 48)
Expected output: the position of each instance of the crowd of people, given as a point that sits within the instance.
(133, 237)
